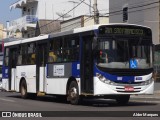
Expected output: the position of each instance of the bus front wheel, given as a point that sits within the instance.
(73, 93)
(123, 99)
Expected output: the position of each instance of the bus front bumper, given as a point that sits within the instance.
(101, 88)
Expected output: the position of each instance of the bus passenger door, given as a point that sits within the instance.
(12, 68)
(41, 66)
(86, 65)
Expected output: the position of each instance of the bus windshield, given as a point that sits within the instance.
(125, 53)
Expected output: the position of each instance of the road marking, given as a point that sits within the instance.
(8, 100)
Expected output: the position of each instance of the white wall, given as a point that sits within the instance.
(45, 9)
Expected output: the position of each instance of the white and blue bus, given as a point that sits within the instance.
(108, 61)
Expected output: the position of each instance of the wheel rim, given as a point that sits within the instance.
(73, 93)
(23, 90)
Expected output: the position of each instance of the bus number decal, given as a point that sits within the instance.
(23, 74)
(58, 70)
(6, 71)
(78, 66)
(120, 78)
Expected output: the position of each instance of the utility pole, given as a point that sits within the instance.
(96, 13)
(90, 11)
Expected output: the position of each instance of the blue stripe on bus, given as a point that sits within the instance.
(114, 78)
(5, 72)
(76, 69)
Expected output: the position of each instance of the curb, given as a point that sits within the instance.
(156, 95)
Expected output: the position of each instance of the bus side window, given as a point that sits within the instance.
(54, 54)
(31, 56)
(70, 49)
(52, 57)
(19, 61)
(6, 59)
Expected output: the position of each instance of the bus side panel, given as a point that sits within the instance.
(57, 77)
(13, 79)
(29, 74)
(42, 79)
(5, 84)
(56, 86)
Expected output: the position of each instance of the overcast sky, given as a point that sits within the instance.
(60, 6)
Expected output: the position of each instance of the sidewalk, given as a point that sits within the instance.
(156, 94)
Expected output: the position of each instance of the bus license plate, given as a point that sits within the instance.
(129, 88)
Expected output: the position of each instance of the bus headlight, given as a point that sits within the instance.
(104, 80)
(147, 82)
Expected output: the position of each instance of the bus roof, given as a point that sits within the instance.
(26, 40)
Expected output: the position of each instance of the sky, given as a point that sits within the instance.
(7, 15)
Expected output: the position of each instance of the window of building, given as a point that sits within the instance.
(125, 14)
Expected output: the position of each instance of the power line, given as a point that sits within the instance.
(87, 4)
(130, 4)
(139, 6)
(63, 15)
(132, 8)
(114, 14)
(135, 10)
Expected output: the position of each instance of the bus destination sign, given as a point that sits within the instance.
(124, 30)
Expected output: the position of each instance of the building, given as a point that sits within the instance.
(1, 31)
(47, 26)
(31, 12)
(142, 12)
(82, 21)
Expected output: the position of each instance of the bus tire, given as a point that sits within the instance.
(23, 89)
(73, 93)
(123, 99)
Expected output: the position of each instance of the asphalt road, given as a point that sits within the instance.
(13, 102)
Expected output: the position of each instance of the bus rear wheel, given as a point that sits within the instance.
(123, 99)
(24, 93)
(23, 89)
(73, 93)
